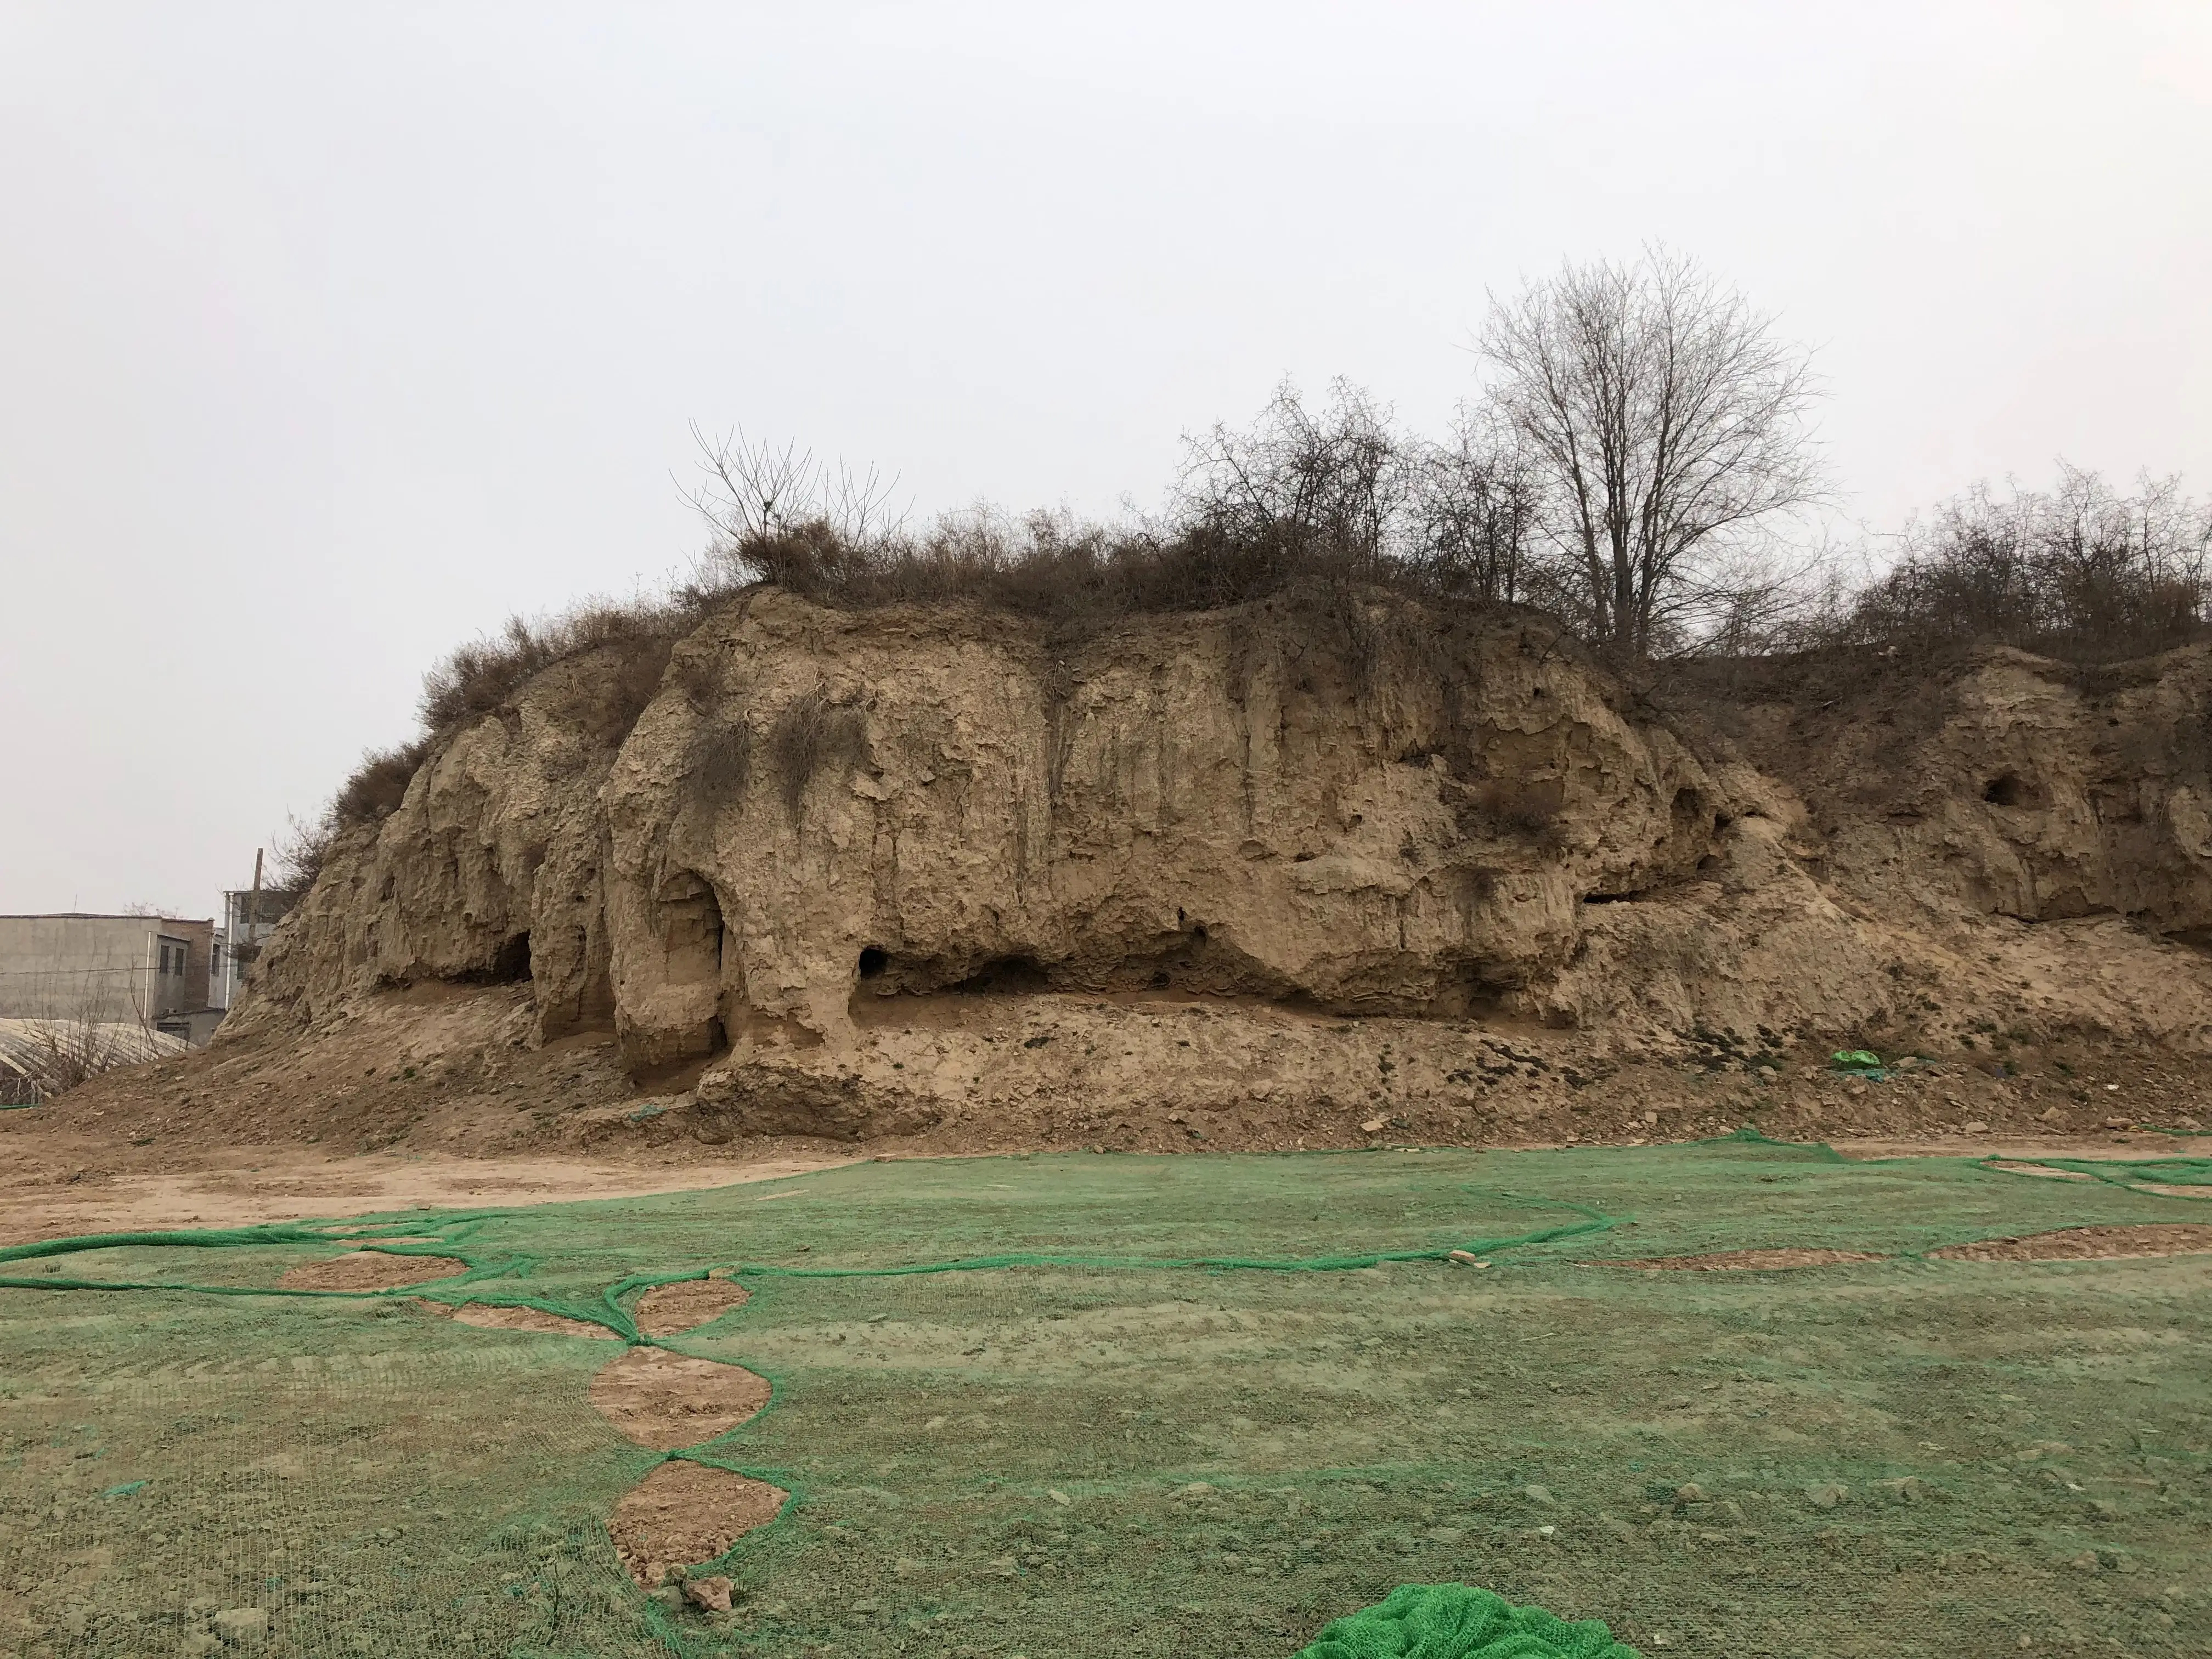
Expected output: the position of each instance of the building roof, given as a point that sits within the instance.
(108, 915)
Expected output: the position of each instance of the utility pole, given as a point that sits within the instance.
(252, 915)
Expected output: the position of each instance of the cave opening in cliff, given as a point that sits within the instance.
(511, 966)
(873, 961)
(1006, 975)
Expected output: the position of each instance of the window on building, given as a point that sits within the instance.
(165, 959)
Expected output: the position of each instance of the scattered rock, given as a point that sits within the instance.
(1826, 1495)
(242, 1627)
(711, 1594)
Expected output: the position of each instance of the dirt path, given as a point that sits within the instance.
(56, 1188)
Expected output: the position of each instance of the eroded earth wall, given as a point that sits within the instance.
(826, 819)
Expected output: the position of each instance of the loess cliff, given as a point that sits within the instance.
(851, 874)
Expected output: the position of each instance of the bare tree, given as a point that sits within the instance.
(1301, 487)
(1473, 507)
(1669, 424)
(754, 494)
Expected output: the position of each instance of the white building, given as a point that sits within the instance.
(149, 970)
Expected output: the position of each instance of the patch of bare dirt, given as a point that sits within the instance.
(485, 1317)
(2089, 1244)
(1749, 1260)
(57, 1182)
(371, 1270)
(686, 1512)
(667, 1400)
(671, 1309)
(2013, 1166)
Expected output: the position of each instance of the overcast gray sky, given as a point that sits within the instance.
(330, 335)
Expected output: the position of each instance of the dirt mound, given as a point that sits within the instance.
(666, 1400)
(671, 1309)
(371, 1270)
(686, 1512)
(2088, 1244)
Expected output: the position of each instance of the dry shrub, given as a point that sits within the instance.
(632, 642)
(810, 735)
(45, 1058)
(1332, 499)
(722, 764)
(483, 676)
(379, 784)
(2083, 574)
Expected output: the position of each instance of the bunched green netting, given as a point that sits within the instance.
(1130, 1424)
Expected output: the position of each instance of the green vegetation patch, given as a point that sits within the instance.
(1025, 1406)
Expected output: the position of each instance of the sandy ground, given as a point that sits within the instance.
(56, 1186)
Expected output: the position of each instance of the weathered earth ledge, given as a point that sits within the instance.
(832, 833)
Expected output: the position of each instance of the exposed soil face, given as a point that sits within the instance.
(671, 1309)
(371, 1270)
(1749, 1260)
(667, 1401)
(686, 1512)
(1224, 882)
(242, 1131)
(2089, 1244)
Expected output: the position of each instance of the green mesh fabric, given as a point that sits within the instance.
(1459, 1621)
(1128, 1425)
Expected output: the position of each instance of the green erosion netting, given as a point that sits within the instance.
(1461, 1621)
(1077, 1450)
